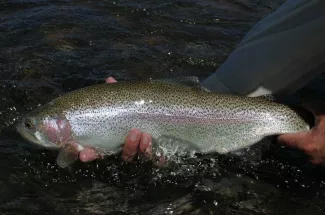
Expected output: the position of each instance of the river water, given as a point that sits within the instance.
(51, 47)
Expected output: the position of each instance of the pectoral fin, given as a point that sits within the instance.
(67, 155)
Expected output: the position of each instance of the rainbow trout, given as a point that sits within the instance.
(101, 116)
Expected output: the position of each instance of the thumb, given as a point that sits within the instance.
(295, 140)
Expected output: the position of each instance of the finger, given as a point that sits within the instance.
(132, 142)
(295, 140)
(146, 145)
(88, 154)
(110, 80)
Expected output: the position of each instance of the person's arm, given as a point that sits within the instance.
(279, 55)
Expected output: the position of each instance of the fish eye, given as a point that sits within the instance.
(28, 124)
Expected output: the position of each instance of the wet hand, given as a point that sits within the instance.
(136, 143)
(311, 142)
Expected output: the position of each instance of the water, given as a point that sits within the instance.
(48, 48)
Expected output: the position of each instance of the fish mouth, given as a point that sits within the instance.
(27, 135)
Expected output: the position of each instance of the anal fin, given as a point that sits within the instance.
(171, 146)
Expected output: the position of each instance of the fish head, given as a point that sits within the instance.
(46, 130)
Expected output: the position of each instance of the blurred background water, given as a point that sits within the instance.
(51, 47)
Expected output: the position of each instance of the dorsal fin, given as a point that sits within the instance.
(188, 81)
(269, 97)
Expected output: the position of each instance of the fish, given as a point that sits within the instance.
(188, 117)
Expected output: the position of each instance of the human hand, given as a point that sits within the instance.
(311, 142)
(135, 142)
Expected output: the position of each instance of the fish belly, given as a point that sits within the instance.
(201, 134)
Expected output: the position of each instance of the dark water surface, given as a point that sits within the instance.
(51, 47)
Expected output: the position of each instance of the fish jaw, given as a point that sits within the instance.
(30, 128)
(35, 138)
